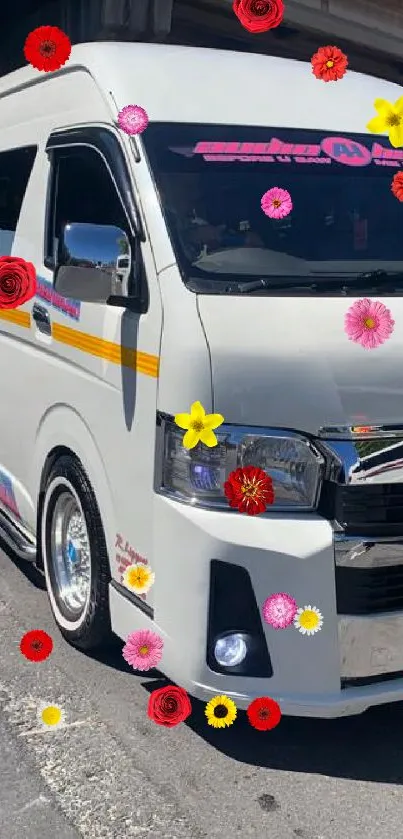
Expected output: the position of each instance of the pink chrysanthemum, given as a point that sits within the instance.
(279, 610)
(369, 323)
(133, 119)
(143, 649)
(276, 202)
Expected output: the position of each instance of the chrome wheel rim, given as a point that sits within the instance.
(70, 554)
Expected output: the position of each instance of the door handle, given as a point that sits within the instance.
(42, 318)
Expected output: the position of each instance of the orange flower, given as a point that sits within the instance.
(329, 64)
(397, 186)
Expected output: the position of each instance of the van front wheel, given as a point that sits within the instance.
(75, 557)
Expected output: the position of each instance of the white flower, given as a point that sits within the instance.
(308, 620)
(50, 716)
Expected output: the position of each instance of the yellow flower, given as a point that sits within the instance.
(50, 716)
(308, 620)
(199, 426)
(389, 121)
(138, 578)
(220, 711)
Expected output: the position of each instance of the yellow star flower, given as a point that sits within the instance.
(199, 426)
(389, 121)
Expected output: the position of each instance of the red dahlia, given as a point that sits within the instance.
(47, 48)
(329, 64)
(36, 645)
(397, 186)
(249, 489)
(264, 713)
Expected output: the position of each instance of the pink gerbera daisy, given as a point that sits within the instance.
(369, 323)
(133, 119)
(276, 203)
(279, 610)
(143, 649)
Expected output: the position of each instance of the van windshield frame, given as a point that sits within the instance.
(344, 220)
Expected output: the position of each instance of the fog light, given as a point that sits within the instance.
(230, 650)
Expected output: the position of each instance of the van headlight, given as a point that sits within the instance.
(197, 476)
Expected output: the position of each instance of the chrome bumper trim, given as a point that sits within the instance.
(355, 552)
(370, 646)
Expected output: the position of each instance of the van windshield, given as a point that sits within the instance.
(344, 220)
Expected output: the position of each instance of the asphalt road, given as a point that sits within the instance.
(111, 773)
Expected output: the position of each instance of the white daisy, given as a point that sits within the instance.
(308, 620)
(50, 716)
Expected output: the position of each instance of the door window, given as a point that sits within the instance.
(15, 170)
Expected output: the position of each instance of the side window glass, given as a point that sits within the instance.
(15, 170)
(85, 193)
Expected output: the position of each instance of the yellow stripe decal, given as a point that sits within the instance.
(17, 317)
(91, 344)
(141, 361)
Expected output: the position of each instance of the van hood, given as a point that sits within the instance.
(288, 363)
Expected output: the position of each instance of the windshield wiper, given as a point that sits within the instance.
(374, 280)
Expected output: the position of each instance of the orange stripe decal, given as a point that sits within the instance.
(125, 356)
(16, 316)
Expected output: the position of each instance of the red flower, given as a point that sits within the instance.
(249, 489)
(17, 281)
(264, 713)
(329, 64)
(259, 15)
(36, 645)
(397, 186)
(47, 48)
(169, 706)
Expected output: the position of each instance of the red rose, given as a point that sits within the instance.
(259, 15)
(47, 48)
(169, 706)
(17, 281)
(249, 489)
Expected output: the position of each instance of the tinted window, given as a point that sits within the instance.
(85, 193)
(15, 169)
(211, 178)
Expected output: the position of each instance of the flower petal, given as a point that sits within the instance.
(197, 412)
(383, 107)
(377, 125)
(396, 136)
(398, 106)
(213, 421)
(208, 437)
(182, 420)
(191, 439)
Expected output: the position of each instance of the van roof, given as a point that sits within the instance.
(193, 84)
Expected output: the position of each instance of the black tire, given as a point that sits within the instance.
(91, 628)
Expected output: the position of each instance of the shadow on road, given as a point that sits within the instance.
(368, 747)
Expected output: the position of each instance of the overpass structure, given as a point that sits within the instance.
(369, 31)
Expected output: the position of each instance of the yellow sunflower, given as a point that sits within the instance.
(220, 711)
(138, 578)
(199, 426)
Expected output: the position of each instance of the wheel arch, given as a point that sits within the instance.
(62, 431)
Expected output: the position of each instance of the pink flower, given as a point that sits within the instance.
(369, 323)
(279, 610)
(132, 119)
(276, 203)
(143, 649)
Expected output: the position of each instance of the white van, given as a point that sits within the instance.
(160, 283)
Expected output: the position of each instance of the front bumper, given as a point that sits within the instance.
(281, 554)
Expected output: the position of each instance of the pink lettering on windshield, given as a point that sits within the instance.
(344, 150)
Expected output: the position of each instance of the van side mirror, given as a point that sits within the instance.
(93, 264)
